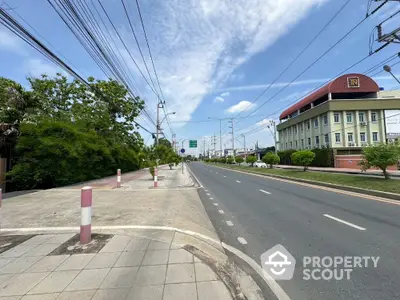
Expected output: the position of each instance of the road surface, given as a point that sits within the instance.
(254, 213)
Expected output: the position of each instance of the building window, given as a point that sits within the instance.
(350, 137)
(336, 117)
(308, 124)
(316, 122)
(373, 117)
(290, 130)
(302, 143)
(301, 127)
(325, 119)
(326, 139)
(309, 141)
(291, 145)
(361, 117)
(286, 146)
(295, 129)
(317, 140)
(296, 144)
(362, 136)
(349, 117)
(337, 137)
(374, 136)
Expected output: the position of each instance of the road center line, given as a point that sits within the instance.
(229, 223)
(238, 181)
(211, 198)
(221, 211)
(344, 222)
(242, 240)
(215, 204)
(208, 194)
(262, 191)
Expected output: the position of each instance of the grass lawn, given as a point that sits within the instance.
(371, 183)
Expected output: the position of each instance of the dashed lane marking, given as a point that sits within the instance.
(229, 223)
(221, 211)
(242, 240)
(262, 191)
(215, 204)
(345, 222)
(238, 181)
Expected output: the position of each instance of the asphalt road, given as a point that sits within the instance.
(254, 213)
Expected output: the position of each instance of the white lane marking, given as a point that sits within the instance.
(224, 176)
(265, 192)
(221, 211)
(238, 181)
(206, 190)
(229, 223)
(211, 198)
(208, 194)
(344, 222)
(215, 204)
(242, 240)
(275, 287)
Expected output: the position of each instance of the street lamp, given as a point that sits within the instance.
(220, 132)
(389, 70)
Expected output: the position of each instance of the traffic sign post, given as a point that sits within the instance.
(182, 151)
(192, 143)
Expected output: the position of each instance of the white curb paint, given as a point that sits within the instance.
(265, 192)
(274, 286)
(344, 222)
(221, 211)
(229, 223)
(242, 240)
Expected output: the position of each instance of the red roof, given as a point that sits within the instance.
(342, 84)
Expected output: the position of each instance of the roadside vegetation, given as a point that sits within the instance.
(60, 132)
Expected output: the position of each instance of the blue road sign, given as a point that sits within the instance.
(182, 150)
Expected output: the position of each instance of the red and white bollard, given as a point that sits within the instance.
(118, 178)
(86, 215)
(155, 177)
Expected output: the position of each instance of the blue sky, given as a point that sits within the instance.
(213, 57)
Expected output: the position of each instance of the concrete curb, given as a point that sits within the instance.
(387, 195)
(339, 172)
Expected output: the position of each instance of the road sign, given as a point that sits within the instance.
(192, 143)
(182, 150)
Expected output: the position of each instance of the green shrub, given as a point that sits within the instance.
(285, 156)
(323, 157)
(271, 159)
(303, 158)
(251, 159)
(381, 156)
(239, 160)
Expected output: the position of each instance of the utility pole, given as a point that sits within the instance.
(204, 148)
(214, 142)
(244, 144)
(273, 133)
(220, 136)
(233, 138)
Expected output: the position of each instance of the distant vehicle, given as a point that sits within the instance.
(259, 164)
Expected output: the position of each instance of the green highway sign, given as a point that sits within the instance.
(192, 143)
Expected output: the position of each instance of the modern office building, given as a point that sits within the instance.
(346, 114)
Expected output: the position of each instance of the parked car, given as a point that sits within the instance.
(259, 164)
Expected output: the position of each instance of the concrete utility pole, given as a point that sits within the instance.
(204, 148)
(220, 132)
(233, 138)
(273, 133)
(214, 142)
(244, 144)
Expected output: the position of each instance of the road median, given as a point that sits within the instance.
(382, 188)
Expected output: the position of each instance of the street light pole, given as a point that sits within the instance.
(389, 70)
(273, 124)
(244, 144)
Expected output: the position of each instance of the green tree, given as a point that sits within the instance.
(303, 158)
(251, 159)
(229, 160)
(381, 156)
(164, 141)
(239, 160)
(271, 159)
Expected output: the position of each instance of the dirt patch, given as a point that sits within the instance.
(10, 241)
(226, 271)
(73, 246)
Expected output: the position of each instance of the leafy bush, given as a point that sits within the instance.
(286, 156)
(303, 158)
(323, 157)
(251, 159)
(239, 160)
(381, 156)
(271, 159)
(229, 160)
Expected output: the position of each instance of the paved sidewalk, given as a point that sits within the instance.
(139, 267)
(340, 170)
(167, 178)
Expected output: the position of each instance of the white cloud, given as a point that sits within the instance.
(197, 46)
(10, 42)
(241, 106)
(225, 94)
(37, 67)
(219, 99)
